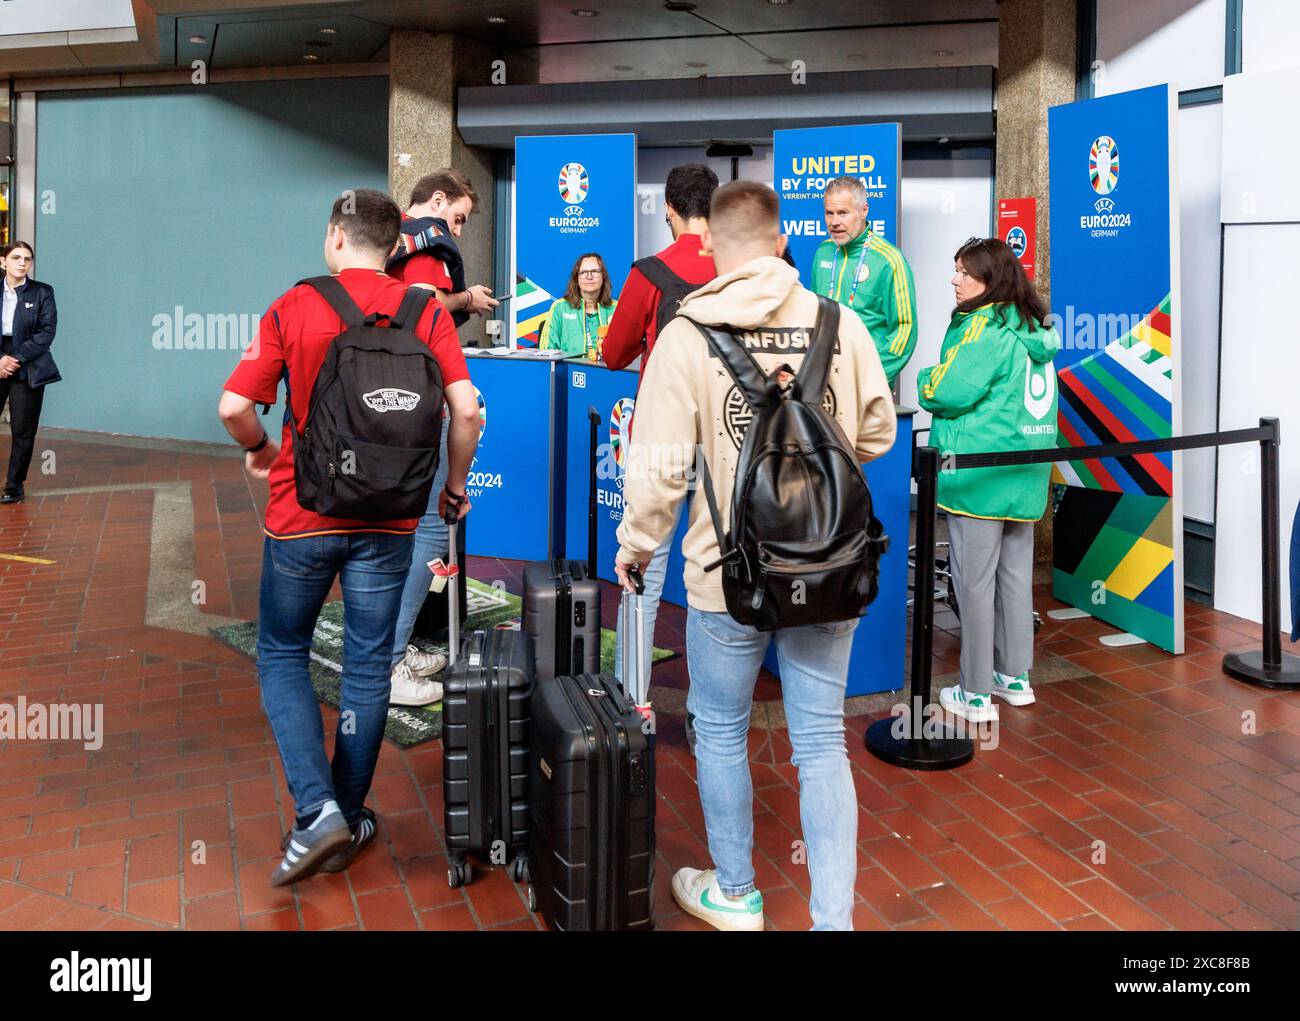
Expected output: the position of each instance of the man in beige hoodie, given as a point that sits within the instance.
(688, 398)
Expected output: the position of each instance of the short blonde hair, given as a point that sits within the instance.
(744, 213)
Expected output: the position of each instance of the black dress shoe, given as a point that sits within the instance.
(12, 496)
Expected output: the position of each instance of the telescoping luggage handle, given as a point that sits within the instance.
(636, 678)
(453, 597)
(593, 422)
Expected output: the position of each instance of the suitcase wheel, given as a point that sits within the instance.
(532, 898)
(519, 871)
(459, 875)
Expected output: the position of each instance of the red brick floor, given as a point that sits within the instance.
(175, 821)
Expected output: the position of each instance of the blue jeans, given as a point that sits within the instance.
(296, 579)
(723, 658)
(430, 543)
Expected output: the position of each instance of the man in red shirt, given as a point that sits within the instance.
(427, 253)
(441, 204)
(632, 332)
(304, 551)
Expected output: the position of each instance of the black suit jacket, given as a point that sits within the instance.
(35, 321)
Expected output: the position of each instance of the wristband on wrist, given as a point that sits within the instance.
(262, 443)
(452, 498)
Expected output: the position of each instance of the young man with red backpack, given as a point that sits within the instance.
(649, 299)
(367, 365)
(783, 398)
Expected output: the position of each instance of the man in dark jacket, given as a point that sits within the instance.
(28, 320)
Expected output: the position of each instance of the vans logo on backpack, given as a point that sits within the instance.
(391, 399)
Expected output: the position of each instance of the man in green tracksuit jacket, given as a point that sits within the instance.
(865, 272)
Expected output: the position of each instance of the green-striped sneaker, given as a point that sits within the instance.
(697, 893)
(1015, 690)
(969, 706)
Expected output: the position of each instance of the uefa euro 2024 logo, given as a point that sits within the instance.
(620, 429)
(573, 183)
(1103, 165)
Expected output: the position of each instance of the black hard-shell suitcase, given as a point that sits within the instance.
(485, 722)
(561, 611)
(561, 603)
(591, 800)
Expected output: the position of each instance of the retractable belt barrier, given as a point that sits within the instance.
(924, 747)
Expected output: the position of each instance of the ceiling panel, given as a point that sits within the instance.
(636, 39)
(276, 43)
(746, 16)
(544, 22)
(835, 50)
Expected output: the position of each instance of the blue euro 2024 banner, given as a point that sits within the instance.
(1118, 549)
(805, 160)
(573, 194)
(1110, 215)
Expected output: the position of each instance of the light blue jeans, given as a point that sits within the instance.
(430, 542)
(723, 658)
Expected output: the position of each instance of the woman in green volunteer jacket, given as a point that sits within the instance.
(578, 321)
(993, 389)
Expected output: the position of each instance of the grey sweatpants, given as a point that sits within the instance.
(993, 574)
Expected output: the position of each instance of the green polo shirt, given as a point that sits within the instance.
(870, 276)
(570, 329)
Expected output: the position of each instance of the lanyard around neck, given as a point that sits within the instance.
(586, 327)
(853, 282)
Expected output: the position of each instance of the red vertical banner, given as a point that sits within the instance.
(1017, 226)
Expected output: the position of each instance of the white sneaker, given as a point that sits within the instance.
(697, 893)
(970, 707)
(1014, 690)
(411, 690)
(424, 664)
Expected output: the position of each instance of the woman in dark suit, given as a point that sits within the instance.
(28, 320)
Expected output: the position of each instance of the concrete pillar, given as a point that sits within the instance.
(1036, 70)
(425, 69)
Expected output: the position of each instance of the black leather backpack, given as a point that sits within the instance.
(804, 545)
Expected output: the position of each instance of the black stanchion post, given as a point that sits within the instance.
(1270, 667)
(902, 742)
